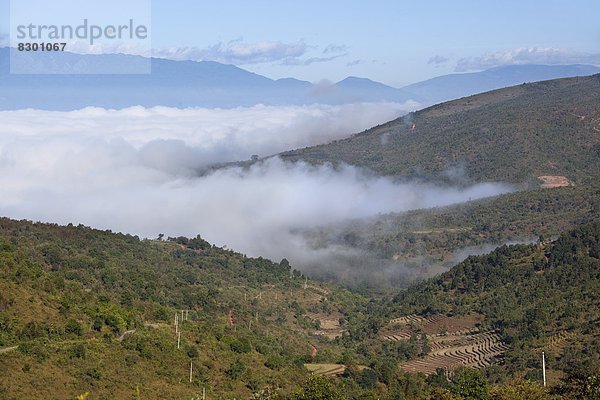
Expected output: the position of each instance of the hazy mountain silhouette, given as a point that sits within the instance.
(212, 84)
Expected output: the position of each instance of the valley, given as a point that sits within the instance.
(428, 298)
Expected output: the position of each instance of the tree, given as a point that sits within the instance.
(367, 379)
(438, 380)
(580, 386)
(471, 384)
(74, 327)
(240, 346)
(525, 390)
(441, 394)
(274, 362)
(236, 369)
(78, 351)
(192, 352)
(317, 388)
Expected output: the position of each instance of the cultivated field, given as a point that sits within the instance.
(453, 342)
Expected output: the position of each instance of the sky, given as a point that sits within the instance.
(392, 41)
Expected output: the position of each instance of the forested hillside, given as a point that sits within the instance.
(511, 135)
(93, 311)
(538, 297)
(88, 311)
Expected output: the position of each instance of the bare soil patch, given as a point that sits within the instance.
(552, 181)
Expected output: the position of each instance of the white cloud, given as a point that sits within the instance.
(310, 60)
(237, 52)
(79, 46)
(335, 49)
(527, 55)
(437, 60)
(210, 135)
(133, 171)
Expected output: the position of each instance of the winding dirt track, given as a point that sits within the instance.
(313, 351)
(326, 369)
(125, 334)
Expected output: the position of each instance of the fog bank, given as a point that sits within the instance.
(134, 171)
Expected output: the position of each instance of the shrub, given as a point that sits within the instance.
(240, 346)
(74, 327)
(77, 351)
(236, 369)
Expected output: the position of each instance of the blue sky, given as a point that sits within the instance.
(395, 42)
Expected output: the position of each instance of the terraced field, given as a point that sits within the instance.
(559, 341)
(454, 342)
(326, 369)
(403, 327)
(329, 326)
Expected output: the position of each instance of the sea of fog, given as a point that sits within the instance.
(136, 171)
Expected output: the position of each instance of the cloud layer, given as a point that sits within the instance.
(527, 55)
(205, 136)
(135, 170)
(438, 60)
(238, 52)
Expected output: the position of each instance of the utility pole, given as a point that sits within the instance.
(178, 339)
(544, 367)
(191, 370)
(203, 393)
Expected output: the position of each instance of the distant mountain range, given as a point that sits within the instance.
(454, 86)
(211, 84)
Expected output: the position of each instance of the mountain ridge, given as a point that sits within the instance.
(454, 86)
(514, 134)
(211, 84)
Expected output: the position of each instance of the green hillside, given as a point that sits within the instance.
(88, 311)
(93, 311)
(510, 135)
(530, 294)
